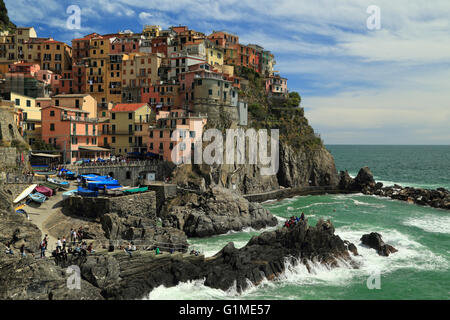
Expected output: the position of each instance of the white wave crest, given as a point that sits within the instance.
(430, 223)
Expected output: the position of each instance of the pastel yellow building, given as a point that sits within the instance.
(12, 44)
(55, 56)
(214, 55)
(150, 32)
(31, 116)
(80, 101)
(129, 125)
(96, 70)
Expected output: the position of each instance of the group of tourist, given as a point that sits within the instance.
(11, 252)
(294, 220)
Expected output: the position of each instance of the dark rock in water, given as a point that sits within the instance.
(364, 182)
(364, 178)
(351, 247)
(215, 212)
(120, 276)
(373, 240)
(345, 181)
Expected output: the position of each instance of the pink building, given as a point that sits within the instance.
(73, 132)
(189, 127)
(276, 86)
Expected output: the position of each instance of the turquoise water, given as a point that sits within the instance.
(419, 270)
(415, 166)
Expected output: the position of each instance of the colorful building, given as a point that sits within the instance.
(72, 131)
(129, 124)
(189, 128)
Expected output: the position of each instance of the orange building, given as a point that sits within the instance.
(73, 132)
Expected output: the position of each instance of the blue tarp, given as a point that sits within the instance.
(87, 193)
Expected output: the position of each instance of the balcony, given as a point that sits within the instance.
(77, 119)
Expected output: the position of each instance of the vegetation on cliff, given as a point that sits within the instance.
(5, 23)
(284, 114)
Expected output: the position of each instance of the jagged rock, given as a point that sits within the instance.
(216, 212)
(30, 279)
(365, 178)
(373, 240)
(137, 228)
(122, 277)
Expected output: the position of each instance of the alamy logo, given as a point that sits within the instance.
(241, 147)
(74, 20)
(74, 280)
(374, 20)
(374, 280)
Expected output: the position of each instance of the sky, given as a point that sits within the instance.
(359, 85)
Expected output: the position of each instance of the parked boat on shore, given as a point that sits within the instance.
(59, 183)
(44, 190)
(69, 193)
(38, 197)
(25, 193)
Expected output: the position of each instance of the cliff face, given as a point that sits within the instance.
(5, 23)
(299, 167)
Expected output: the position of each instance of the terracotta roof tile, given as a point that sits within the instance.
(123, 107)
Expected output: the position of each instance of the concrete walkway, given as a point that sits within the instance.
(40, 213)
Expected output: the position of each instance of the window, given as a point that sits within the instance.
(192, 134)
(171, 146)
(151, 134)
(28, 103)
(128, 174)
(57, 102)
(151, 145)
(130, 139)
(130, 115)
(113, 139)
(113, 116)
(210, 92)
(52, 113)
(17, 102)
(52, 127)
(160, 133)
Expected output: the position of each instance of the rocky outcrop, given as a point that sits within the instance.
(365, 183)
(216, 211)
(306, 167)
(297, 168)
(31, 278)
(134, 228)
(122, 277)
(374, 241)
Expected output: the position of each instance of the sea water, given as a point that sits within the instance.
(419, 270)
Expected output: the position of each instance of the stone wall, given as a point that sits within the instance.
(291, 192)
(141, 205)
(163, 192)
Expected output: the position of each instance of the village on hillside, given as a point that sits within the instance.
(124, 94)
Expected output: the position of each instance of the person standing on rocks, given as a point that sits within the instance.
(58, 245)
(22, 251)
(43, 247)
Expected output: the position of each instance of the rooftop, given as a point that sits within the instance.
(127, 107)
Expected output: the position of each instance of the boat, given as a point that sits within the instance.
(135, 190)
(25, 193)
(86, 192)
(59, 183)
(69, 193)
(20, 207)
(44, 190)
(37, 197)
(69, 174)
(50, 185)
(45, 173)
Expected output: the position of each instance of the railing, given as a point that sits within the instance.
(117, 163)
(78, 119)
